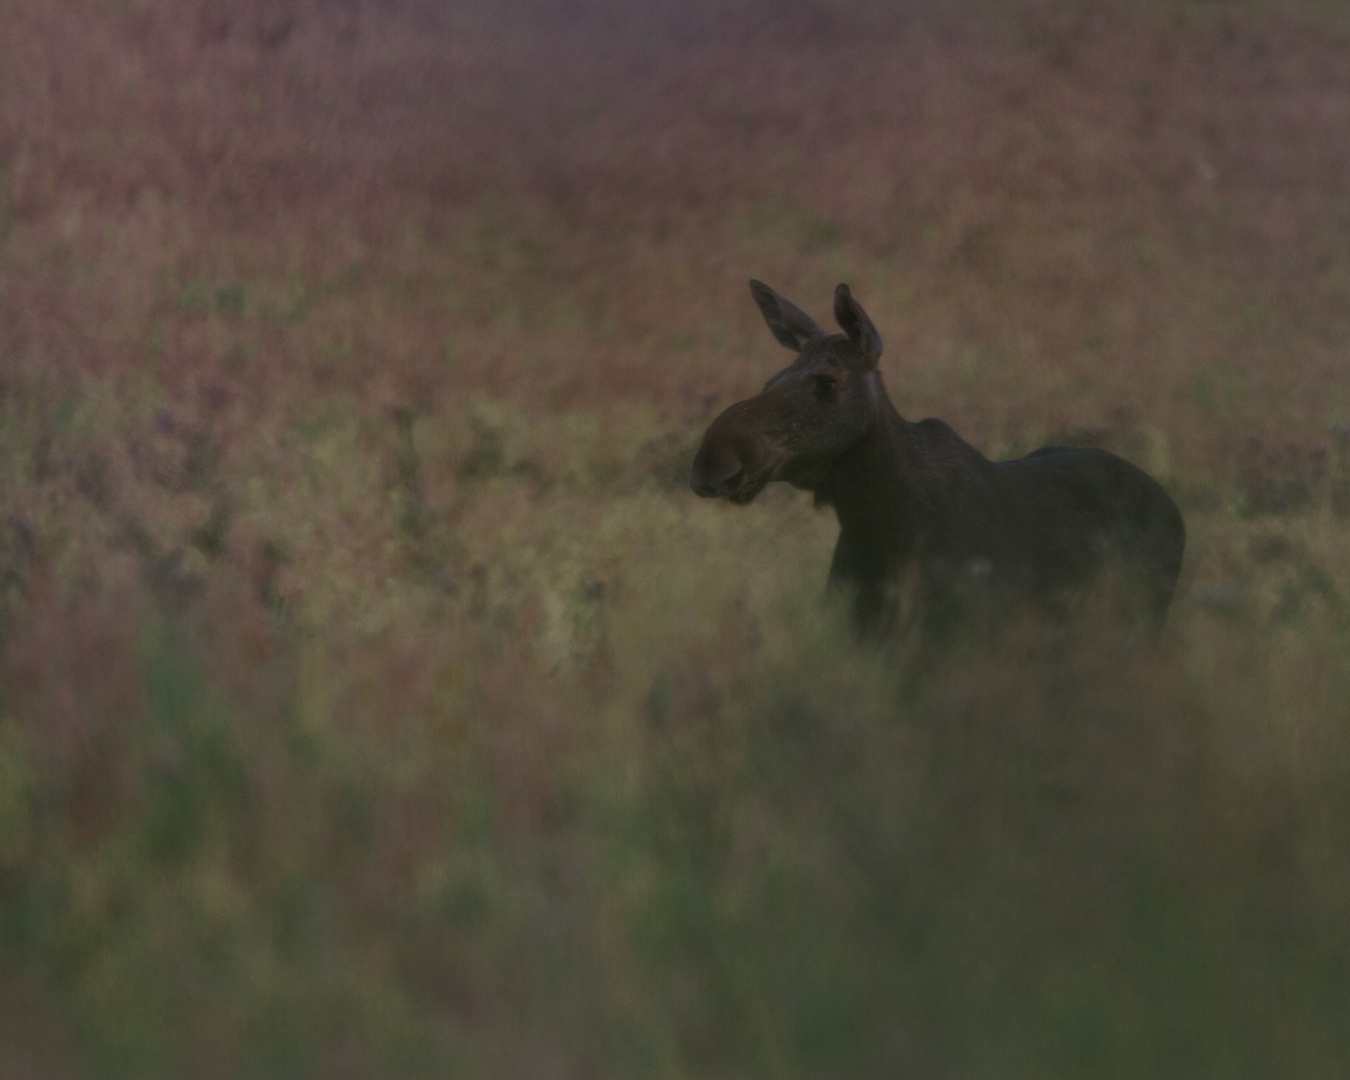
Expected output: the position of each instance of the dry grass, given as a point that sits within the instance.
(375, 699)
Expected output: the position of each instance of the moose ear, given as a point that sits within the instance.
(853, 320)
(790, 324)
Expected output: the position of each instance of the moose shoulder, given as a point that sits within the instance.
(928, 525)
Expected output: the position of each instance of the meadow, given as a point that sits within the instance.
(376, 700)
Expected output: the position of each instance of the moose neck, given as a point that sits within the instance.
(873, 487)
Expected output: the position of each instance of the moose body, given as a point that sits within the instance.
(930, 529)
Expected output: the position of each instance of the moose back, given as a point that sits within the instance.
(929, 528)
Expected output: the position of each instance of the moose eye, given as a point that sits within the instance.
(824, 386)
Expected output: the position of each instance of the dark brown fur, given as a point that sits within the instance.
(929, 527)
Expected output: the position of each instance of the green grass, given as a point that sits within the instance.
(478, 786)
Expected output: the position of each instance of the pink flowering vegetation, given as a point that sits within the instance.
(377, 700)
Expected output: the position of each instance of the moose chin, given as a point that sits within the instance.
(931, 532)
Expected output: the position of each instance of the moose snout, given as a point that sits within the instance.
(717, 469)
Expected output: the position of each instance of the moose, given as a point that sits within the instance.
(931, 532)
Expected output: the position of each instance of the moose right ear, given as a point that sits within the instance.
(853, 320)
(790, 324)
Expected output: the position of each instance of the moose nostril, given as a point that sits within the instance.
(710, 485)
(715, 473)
(722, 486)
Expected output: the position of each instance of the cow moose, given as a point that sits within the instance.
(931, 532)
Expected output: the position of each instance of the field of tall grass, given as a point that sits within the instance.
(376, 700)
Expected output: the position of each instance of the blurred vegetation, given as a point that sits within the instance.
(376, 700)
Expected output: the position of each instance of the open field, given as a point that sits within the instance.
(377, 701)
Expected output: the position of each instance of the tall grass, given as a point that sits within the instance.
(375, 700)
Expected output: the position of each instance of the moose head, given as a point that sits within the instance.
(806, 415)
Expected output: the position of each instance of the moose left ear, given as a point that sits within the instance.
(853, 320)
